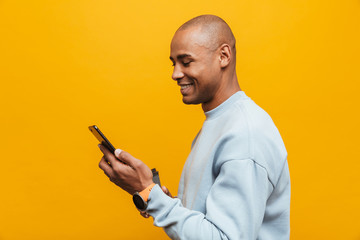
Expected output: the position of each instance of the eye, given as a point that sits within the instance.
(186, 64)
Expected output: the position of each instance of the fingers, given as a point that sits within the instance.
(127, 158)
(127, 172)
(166, 191)
(144, 214)
(121, 155)
(108, 155)
(104, 165)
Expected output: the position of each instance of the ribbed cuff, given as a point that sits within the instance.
(159, 203)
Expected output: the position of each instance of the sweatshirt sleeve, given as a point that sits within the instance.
(235, 206)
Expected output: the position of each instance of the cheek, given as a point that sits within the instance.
(204, 74)
(207, 76)
(199, 73)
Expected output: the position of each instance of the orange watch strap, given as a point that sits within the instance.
(146, 192)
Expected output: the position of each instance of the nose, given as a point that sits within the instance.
(177, 73)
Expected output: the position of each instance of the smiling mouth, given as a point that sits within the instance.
(185, 86)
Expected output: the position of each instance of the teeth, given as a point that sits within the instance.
(185, 86)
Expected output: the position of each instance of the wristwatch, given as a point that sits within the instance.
(140, 198)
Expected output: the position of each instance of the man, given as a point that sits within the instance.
(235, 183)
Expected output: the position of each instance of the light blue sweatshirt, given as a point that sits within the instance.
(235, 183)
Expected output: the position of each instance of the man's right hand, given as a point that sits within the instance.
(166, 191)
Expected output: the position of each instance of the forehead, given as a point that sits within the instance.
(190, 41)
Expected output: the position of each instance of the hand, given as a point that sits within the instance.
(127, 172)
(166, 191)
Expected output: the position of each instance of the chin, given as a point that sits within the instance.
(186, 101)
(189, 101)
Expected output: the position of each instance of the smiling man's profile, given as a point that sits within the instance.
(203, 57)
(235, 183)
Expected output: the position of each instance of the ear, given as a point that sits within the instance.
(225, 55)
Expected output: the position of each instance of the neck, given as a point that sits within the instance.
(226, 90)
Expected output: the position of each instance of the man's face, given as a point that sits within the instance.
(196, 66)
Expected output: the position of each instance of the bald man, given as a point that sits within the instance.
(235, 183)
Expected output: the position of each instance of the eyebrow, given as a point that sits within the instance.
(181, 56)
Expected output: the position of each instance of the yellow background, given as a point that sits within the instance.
(65, 65)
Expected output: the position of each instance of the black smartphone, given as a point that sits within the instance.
(101, 137)
(104, 141)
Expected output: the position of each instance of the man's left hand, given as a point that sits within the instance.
(129, 173)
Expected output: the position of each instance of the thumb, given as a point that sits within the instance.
(117, 152)
(126, 157)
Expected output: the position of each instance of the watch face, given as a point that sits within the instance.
(139, 202)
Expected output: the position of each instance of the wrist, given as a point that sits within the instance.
(140, 199)
(146, 192)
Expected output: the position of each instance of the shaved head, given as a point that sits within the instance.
(214, 30)
(203, 55)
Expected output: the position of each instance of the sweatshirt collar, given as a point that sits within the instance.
(224, 106)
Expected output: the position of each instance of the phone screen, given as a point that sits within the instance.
(101, 137)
